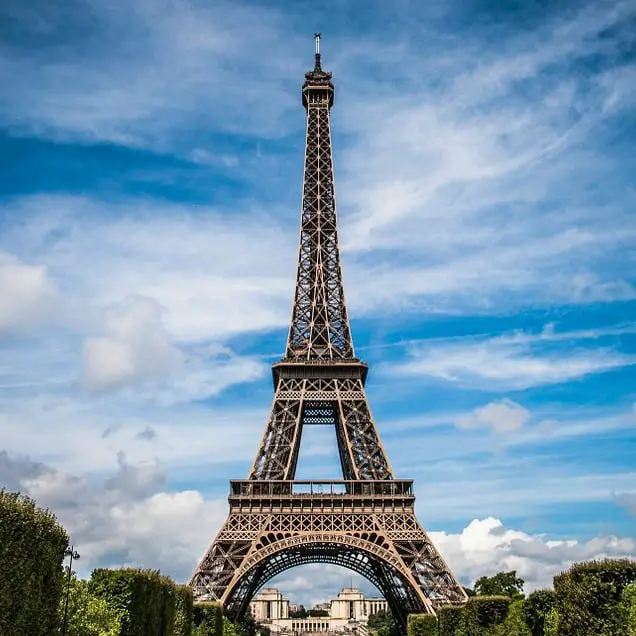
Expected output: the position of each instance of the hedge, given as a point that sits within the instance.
(32, 546)
(144, 599)
(482, 612)
(536, 607)
(421, 625)
(588, 596)
(551, 625)
(628, 611)
(514, 624)
(183, 611)
(208, 618)
(449, 618)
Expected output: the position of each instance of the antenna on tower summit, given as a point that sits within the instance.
(317, 37)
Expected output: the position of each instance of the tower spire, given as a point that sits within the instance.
(317, 67)
(319, 327)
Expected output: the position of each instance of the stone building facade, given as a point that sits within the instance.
(348, 613)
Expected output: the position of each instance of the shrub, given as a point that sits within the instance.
(32, 546)
(87, 614)
(183, 615)
(448, 619)
(514, 624)
(536, 608)
(588, 596)
(421, 625)
(551, 625)
(230, 629)
(628, 611)
(481, 613)
(208, 619)
(144, 599)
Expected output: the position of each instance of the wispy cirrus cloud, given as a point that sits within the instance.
(514, 361)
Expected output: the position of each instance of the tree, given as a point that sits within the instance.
(501, 584)
(382, 624)
(514, 624)
(246, 625)
(88, 615)
(301, 612)
(318, 612)
(229, 629)
(536, 608)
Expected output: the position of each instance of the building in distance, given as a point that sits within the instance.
(348, 613)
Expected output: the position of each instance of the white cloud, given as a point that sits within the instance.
(216, 275)
(503, 416)
(27, 293)
(510, 361)
(135, 347)
(486, 547)
(128, 520)
(170, 59)
(138, 352)
(467, 184)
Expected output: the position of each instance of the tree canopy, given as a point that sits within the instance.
(501, 584)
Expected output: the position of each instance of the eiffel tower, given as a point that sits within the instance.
(365, 522)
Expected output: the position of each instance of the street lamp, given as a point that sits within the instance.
(74, 554)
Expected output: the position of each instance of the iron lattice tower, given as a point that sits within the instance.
(365, 522)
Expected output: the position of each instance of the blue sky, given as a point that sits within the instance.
(149, 209)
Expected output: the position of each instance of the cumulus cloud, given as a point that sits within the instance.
(486, 546)
(135, 347)
(27, 293)
(128, 519)
(502, 416)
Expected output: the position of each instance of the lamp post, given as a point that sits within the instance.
(74, 554)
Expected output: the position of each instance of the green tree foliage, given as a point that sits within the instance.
(449, 618)
(501, 584)
(301, 612)
(246, 626)
(481, 614)
(183, 615)
(536, 608)
(318, 613)
(88, 615)
(144, 599)
(209, 620)
(32, 546)
(382, 624)
(421, 625)
(627, 609)
(589, 594)
(551, 625)
(229, 628)
(514, 624)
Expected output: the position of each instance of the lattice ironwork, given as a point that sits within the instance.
(366, 522)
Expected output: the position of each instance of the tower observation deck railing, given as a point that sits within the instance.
(254, 489)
